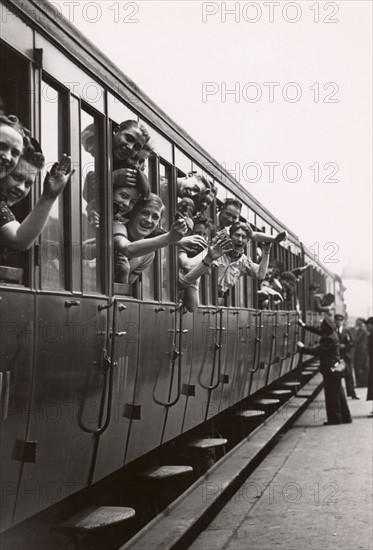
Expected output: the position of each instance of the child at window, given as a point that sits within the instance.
(13, 137)
(16, 186)
(133, 251)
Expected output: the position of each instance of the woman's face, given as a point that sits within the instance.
(239, 240)
(11, 146)
(189, 187)
(126, 198)
(127, 143)
(16, 185)
(145, 221)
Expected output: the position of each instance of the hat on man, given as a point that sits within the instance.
(369, 321)
(314, 286)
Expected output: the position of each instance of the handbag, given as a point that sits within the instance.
(339, 368)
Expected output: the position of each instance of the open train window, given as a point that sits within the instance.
(182, 162)
(91, 178)
(53, 136)
(166, 257)
(15, 99)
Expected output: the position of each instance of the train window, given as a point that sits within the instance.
(15, 88)
(90, 203)
(266, 228)
(15, 100)
(165, 254)
(251, 216)
(60, 67)
(183, 163)
(160, 144)
(245, 212)
(222, 193)
(239, 295)
(118, 111)
(53, 104)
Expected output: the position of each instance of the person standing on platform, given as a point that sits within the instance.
(346, 345)
(369, 325)
(337, 411)
(361, 354)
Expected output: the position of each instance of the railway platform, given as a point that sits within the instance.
(312, 492)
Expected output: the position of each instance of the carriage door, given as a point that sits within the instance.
(17, 300)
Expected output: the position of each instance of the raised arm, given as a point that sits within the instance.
(146, 246)
(310, 328)
(219, 246)
(23, 235)
(259, 271)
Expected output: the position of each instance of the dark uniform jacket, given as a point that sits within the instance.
(327, 350)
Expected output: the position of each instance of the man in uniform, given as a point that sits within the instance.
(346, 344)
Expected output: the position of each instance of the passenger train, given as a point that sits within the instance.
(93, 379)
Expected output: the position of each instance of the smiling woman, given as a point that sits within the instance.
(133, 252)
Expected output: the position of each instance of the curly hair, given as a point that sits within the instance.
(14, 122)
(241, 225)
(33, 154)
(288, 276)
(207, 222)
(127, 124)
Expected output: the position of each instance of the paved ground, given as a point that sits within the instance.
(312, 492)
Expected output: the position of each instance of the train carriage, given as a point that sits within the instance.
(93, 378)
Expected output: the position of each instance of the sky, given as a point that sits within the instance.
(278, 92)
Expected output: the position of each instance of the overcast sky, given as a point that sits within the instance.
(301, 73)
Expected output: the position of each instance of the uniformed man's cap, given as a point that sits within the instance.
(314, 286)
(339, 317)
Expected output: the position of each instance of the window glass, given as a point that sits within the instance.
(266, 228)
(245, 212)
(118, 111)
(52, 238)
(160, 144)
(182, 162)
(90, 178)
(251, 216)
(14, 96)
(222, 192)
(165, 253)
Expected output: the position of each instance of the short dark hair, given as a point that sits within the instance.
(328, 298)
(14, 122)
(231, 202)
(313, 286)
(202, 220)
(127, 124)
(288, 276)
(240, 225)
(32, 153)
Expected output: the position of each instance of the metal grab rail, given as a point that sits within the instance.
(286, 334)
(109, 365)
(258, 340)
(217, 348)
(176, 354)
